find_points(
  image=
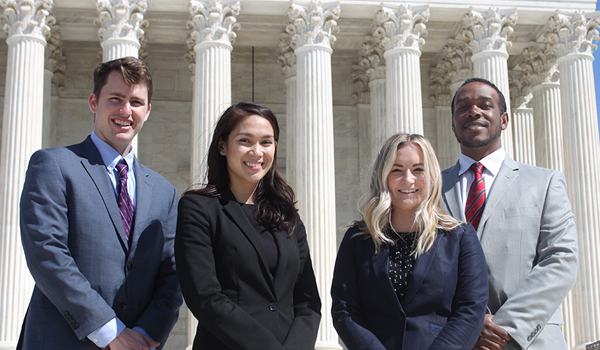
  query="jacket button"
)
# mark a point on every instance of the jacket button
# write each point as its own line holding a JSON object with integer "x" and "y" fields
{"x": 129, "y": 266}
{"x": 123, "y": 306}
{"x": 273, "y": 307}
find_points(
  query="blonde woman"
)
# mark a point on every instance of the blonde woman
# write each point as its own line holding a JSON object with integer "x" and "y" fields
{"x": 408, "y": 275}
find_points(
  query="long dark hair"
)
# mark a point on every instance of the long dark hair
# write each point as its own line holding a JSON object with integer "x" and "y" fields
{"x": 273, "y": 197}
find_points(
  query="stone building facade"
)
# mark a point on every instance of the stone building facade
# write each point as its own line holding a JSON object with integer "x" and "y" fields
{"x": 341, "y": 76}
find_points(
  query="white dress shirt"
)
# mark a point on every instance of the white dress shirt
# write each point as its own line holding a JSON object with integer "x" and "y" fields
{"x": 491, "y": 164}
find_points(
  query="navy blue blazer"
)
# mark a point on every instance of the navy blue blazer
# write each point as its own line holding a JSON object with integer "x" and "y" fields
{"x": 85, "y": 269}
{"x": 444, "y": 305}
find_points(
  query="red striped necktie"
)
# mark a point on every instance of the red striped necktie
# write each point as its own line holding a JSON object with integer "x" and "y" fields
{"x": 476, "y": 196}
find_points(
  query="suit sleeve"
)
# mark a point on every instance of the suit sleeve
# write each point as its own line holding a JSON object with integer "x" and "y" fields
{"x": 45, "y": 237}
{"x": 470, "y": 300}
{"x": 307, "y": 304}
{"x": 201, "y": 289}
{"x": 166, "y": 296}
{"x": 346, "y": 304}
{"x": 539, "y": 295}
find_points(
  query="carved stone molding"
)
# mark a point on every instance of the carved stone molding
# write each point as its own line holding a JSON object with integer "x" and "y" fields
{"x": 27, "y": 17}
{"x": 538, "y": 63}
{"x": 573, "y": 32}
{"x": 190, "y": 56}
{"x": 214, "y": 21}
{"x": 314, "y": 23}
{"x": 489, "y": 30}
{"x": 287, "y": 57}
{"x": 403, "y": 27}
{"x": 371, "y": 66}
{"x": 439, "y": 81}
{"x": 121, "y": 19}
{"x": 453, "y": 64}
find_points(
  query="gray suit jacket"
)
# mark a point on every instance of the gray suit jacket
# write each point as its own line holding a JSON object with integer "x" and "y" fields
{"x": 528, "y": 235}
{"x": 86, "y": 272}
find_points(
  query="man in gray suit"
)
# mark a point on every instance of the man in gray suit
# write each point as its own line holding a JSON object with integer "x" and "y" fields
{"x": 98, "y": 230}
{"x": 524, "y": 222}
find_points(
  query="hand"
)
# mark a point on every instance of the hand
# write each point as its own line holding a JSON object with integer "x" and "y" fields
{"x": 130, "y": 339}
{"x": 492, "y": 336}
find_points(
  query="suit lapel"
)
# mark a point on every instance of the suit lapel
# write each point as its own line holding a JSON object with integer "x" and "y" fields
{"x": 508, "y": 173}
{"x": 143, "y": 202}
{"x": 97, "y": 170}
{"x": 379, "y": 264}
{"x": 237, "y": 215}
{"x": 420, "y": 270}
{"x": 451, "y": 192}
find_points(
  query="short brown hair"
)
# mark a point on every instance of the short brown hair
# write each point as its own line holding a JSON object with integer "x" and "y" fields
{"x": 133, "y": 70}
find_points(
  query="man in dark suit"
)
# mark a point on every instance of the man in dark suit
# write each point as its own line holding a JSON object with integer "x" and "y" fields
{"x": 98, "y": 229}
{"x": 524, "y": 222}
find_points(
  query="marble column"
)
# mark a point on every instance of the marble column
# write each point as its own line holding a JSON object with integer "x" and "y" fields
{"x": 488, "y": 33}
{"x": 453, "y": 67}
{"x": 122, "y": 26}
{"x": 287, "y": 59}
{"x": 212, "y": 24}
{"x": 539, "y": 65}
{"x": 54, "y": 73}
{"x": 369, "y": 82}
{"x": 27, "y": 29}
{"x": 572, "y": 35}
{"x": 403, "y": 26}
{"x": 312, "y": 27}
{"x": 522, "y": 118}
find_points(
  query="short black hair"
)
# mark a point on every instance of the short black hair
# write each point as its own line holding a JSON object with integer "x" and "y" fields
{"x": 502, "y": 102}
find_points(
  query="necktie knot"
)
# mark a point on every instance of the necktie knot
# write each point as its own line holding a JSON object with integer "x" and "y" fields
{"x": 477, "y": 169}
{"x": 122, "y": 169}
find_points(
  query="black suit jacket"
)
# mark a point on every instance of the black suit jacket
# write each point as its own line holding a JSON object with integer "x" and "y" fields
{"x": 444, "y": 305}
{"x": 226, "y": 284}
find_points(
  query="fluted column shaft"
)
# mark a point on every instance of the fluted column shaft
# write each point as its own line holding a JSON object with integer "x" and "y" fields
{"x": 114, "y": 48}
{"x": 316, "y": 172}
{"x": 291, "y": 128}
{"x": 547, "y": 120}
{"x": 21, "y": 136}
{"x": 448, "y": 149}
{"x": 49, "y": 127}
{"x": 212, "y": 95}
{"x": 524, "y": 139}
{"x": 492, "y": 65}
{"x": 403, "y": 82}
{"x": 582, "y": 171}
{"x": 379, "y": 129}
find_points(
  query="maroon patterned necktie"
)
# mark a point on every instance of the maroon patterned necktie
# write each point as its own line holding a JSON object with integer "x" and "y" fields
{"x": 124, "y": 201}
{"x": 476, "y": 196}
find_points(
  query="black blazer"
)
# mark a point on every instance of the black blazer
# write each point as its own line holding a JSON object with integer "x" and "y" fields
{"x": 444, "y": 305}
{"x": 226, "y": 284}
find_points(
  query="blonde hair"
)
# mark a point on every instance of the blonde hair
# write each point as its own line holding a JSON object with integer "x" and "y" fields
{"x": 376, "y": 209}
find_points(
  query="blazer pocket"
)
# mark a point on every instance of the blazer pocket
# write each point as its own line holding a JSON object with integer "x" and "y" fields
{"x": 435, "y": 327}
{"x": 532, "y": 211}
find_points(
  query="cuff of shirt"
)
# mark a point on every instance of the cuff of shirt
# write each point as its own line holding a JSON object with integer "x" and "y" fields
{"x": 102, "y": 336}
{"x": 143, "y": 331}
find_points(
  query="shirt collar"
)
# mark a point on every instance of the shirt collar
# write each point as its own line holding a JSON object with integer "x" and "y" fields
{"x": 491, "y": 162}
{"x": 109, "y": 155}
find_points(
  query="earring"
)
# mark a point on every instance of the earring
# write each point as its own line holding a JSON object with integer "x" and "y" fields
{"x": 222, "y": 152}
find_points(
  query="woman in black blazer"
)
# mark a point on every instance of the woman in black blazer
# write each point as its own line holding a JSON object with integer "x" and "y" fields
{"x": 408, "y": 276}
{"x": 242, "y": 256}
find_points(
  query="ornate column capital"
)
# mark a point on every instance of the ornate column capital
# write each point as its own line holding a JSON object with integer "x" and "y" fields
{"x": 520, "y": 89}
{"x": 55, "y": 61}
{"x": 490, "y": 30}
{"x": 455, "y": 57}
{"x": 538, "y": 63}
{"x": 313, "y": 23}
{"x": 287, "y": 57}
{"x": 190, "y": 56}
{"x": 27, "y": 17}
{"x": 440, "y": 82}
{"x": 573, "y": 32}
{"x": 403, "y": 27}
{"x": 214, "y": 21}
{"x": 121, "y": 19}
